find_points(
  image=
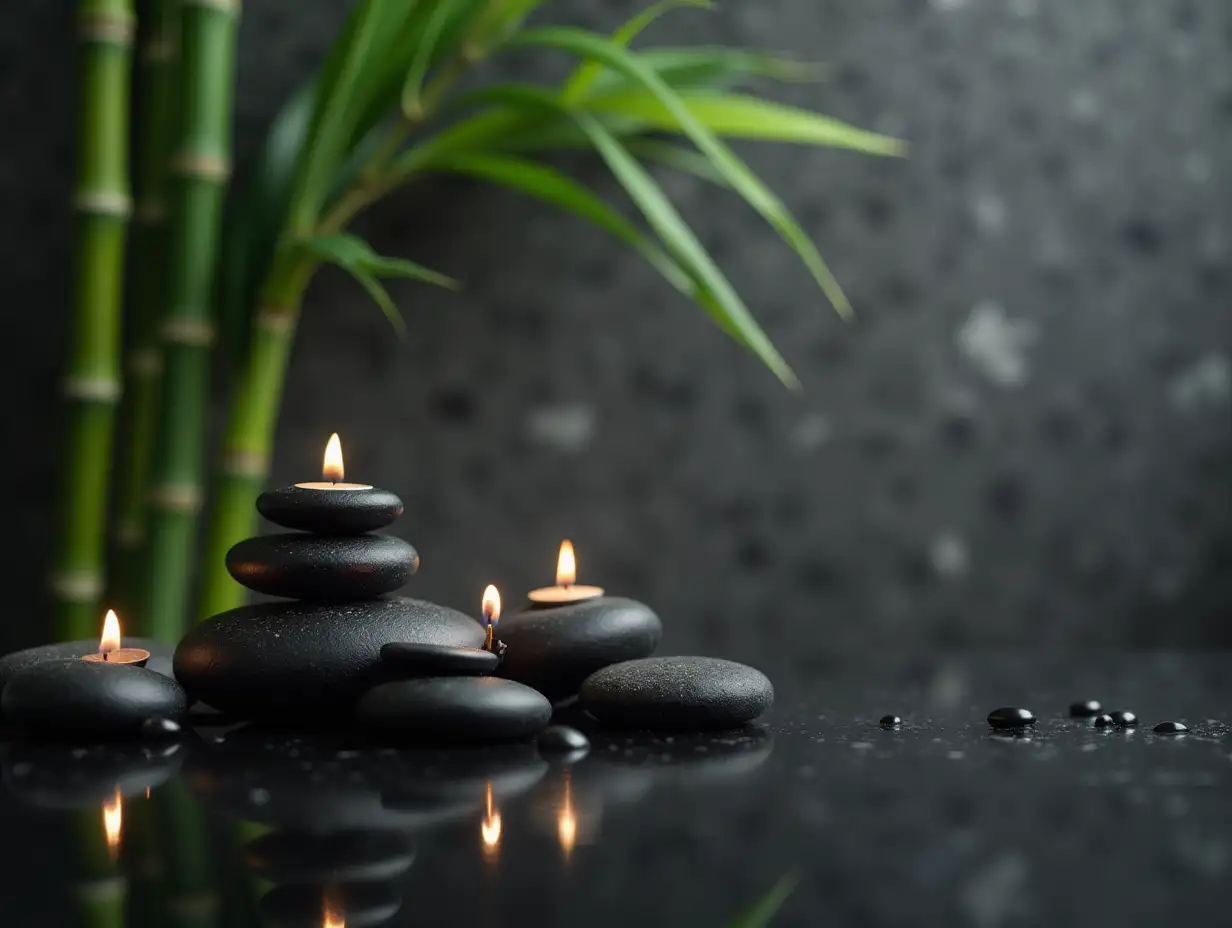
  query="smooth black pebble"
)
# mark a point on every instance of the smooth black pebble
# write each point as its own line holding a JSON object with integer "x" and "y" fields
{"x": 676, "y": 694}
{"x": 322, "y": 568}
{"x": 10, "y": 664}
{"x": 1123, "y": 718}
{"x": 1086, "y": 709}
{"x": 1171, "y": 728}
{"x": 1011, "y": 717}
{"x": 474, "y": 709}
{"x": 1104, "y": 721}
{"x": 298, "y": 662}
{"x": 330, "y": 512}
{"x": 555, "y": 649}
{"x": 562, "y": 738}
{"x": 303, "y": 857}
{"x": 159, "y": 729}
{"x": 890, "y": 721}
{"x": 83, "y": 699}
{"x": 407, "y": 659}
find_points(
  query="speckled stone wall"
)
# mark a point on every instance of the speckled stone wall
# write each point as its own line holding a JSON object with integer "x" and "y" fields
{"x": 1024, "y": 439}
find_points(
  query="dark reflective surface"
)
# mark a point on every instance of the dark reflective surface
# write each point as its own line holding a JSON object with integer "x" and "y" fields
{"x": 940, "y": 821}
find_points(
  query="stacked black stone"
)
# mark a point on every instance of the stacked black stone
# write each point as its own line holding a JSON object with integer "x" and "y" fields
{"x": 309, "y": 661}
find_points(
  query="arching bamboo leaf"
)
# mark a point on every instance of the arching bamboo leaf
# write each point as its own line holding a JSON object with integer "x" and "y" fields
{"x": 713, "y": 68}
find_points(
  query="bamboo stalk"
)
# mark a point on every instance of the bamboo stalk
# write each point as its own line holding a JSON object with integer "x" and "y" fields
{"x": 92, "y": 387}
{"x": 157, "y": 52}
{"x": 200, "y": 169}
{"x": 192, "y": 900}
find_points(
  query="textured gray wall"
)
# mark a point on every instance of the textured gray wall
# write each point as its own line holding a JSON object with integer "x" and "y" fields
{"x": 1025, "y": 439}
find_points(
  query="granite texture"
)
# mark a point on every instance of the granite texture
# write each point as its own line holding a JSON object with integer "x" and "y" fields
{"x": 1024, "y": 437}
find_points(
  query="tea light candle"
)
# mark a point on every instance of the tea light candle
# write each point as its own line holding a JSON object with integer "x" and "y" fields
{"x": 332, "y": 471}
{"x": 566, "y": 590}
{"x": 109, "y": 650}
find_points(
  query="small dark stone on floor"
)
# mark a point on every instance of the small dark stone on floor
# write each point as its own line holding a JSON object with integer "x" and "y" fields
{"x": 472, "y": 709}
{"x": 410, "y": 659}
{"x": 1085, "y": 709}
{"x": 890, "y": 721}
{"x": 157, "y": 728}
{"x": 1171, "y": 728}
{"x": 1011, "y": 717}
{"x": 1104, "y": 721}
{"x": 1123, "y": 718}
{"x": 562, "y": 738}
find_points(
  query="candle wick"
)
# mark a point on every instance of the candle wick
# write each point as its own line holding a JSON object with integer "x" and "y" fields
{"x": 106, "y": 656}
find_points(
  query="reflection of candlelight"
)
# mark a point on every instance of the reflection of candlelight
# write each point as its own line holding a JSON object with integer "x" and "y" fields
{"x": 333, "y": 915}
{"x": 113, "y": 822}
{"x": 490, "y": 829}
{"x": 566, "y": 820}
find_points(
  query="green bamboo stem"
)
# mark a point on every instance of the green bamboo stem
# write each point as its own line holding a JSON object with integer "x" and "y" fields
{"x": 157, "y": 53}
{"x": 100, "y": 890}
{"x": 192, "y": 899}
{"x": 200, "y": 168}
{"x": 92, "y": 387}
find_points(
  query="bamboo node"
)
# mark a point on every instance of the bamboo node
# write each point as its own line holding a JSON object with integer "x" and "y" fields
{"x": 195, "y": 904}
{"x": 201, "y": 166}
{"x": 77, "y": 586}
{"x": 111, "y": 28}
{"x": 188, "y": 332}
{"x": 245, "y": 464}
{"x": 93, "y": 389}
{"x": 103, "y": 203}
{"x": 176, "y": 497}
{"x": 145, "y": 362}
{"x": 101, "y": 890}
{"x": 274, "y": 319}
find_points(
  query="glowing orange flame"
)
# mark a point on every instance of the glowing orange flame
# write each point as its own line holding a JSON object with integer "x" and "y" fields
{"x": 566, "y": 565}
{"x": 566, "y": 820}
{"x": 113, "y": 822}
{"x": 332, "y": 470}
{"x": 490, "y": 828}
{"x": 491, "y": 603}
{"x": 111, "y": 633}
{"x": 333, "y": 917}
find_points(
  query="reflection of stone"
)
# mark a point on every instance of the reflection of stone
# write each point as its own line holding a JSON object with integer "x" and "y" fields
{"x": 60, "y": 777}
{"x": 303, "y": 904}
{"x": 455, "y": 709}
{"x": 350, "y": 856}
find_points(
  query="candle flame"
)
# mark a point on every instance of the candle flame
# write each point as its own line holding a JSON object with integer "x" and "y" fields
{"x": 113, "y": 822}
{"x": 490, "y": 828}
{"x": 491, "y": 603}
{"x": 566, "y": 820}
{"x": 566, "y": 565}
{"x": 332, "y": 470}
{"x": 111, "y": 633}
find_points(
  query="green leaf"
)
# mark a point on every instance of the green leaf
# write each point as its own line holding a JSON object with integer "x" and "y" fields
{"x": 762, "y": 912}
{"x": 442, "y": 13}
{"x": 381, "y": 297}
{"x": 585, "y": 74}
{"x": 714, "y": 68}
{"x": 676, "y": 156}
{"x": 747, "y": 117}
{"x": 743, "y": 181}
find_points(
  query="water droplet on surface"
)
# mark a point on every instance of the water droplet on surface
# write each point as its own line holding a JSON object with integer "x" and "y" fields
{"x": 1123, "y": 718}
{"x": 890, "y": 721}
{"x": 1011, "y": 717}
{"x": 1104, "y": 721}
{"x": 1085, "y": 709}
{"x": 1171, "y": 728}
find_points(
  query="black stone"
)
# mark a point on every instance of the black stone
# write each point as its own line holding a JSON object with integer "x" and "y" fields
{"x": 1011, "y": 717}
{"x": 74, "y": 698}
{"x": 890, "y": 721}
{"x": 555, "y": 649}
{"x": 1123, "y": 718}
{"x": 10, "y": 664}
{"x": 1104, "y": 721}
{"x": 321, "y": 568}
{"x": 1171, "y": 728}
{"x": 1085, "y": 709}
{"x": 407, "y": 659}
{"x": 562, "y": 738}
{"x": 676, "y": 694}
{"x": 347, "y": 856}
{"x": 303, "y": 663}
{"x": 476, "y": 709}
{"x": 330, "y": 512}
{"x": 70, "y": 776}
{"x": 303, "y": 904}
{"x": 159, "y": 728}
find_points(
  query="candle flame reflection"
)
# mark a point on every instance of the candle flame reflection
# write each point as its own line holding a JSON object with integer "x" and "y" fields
{"x": 113, "y": 823}
{"x": 490, "y": 828}
{"x": 332, "y": 470}
{"x": 566, "y": 820}
{"x": 333, "y": 916}
{"x": 491, "y": 603}
{"x": 111, "y": 633}
{"x": 566, "y": 565}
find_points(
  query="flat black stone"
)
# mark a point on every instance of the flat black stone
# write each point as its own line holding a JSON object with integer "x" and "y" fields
{"x": 1011, "y": 717}
{"x": 1085, "y": 709}
{"x": 321, "y": 568}
{"x": 562, "y": 738}
{"x": 676, "y": 694}
{"x": 306, "y": 857}
{"x": 1104, "y": 721}
{"x": 890, "y": 721}
{"x": 304, "y": 663}
{"x": 160, "y": 655}
{"x": 555, "y": 649}
{"x": 1123, "y": 718}
{"x": 408, "y": 659}
{"x": 303, "y": 904}
{"x": 330, "y": 512}
{"x": 475, "y": 709}
{"x": 72, "y": 698}
{"x": 1170, "y": 728}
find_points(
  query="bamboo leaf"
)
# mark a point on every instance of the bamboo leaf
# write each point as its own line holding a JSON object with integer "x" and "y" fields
{"x": 381, "y": 297}
{"x": 583, "y": 77}
{"x": 442, "y": 13}
{"x": 762, "y": 912}
{"x": 713, "y": 67}
{"x": 588, "y": 45}
{"x": 676, "y": 156}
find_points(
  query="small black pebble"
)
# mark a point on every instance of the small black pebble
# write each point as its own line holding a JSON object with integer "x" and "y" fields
{"x": 562, "y": 738}
{"x": 1086, "y": 709}
{"x": 1104, "y": 721}
{"x": 1124, "y": 718}
{"x": 159, "y": 727}
{"x": 890, "y": 721}
{"x": 1171, "y": 728}
{"x": 1010, "y": 717}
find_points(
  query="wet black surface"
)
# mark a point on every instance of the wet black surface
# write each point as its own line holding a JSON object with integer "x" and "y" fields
{"x": 1062, "y": 824}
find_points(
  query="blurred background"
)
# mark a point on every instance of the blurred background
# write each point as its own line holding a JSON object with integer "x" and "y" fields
{"x": 1024, "y": 439}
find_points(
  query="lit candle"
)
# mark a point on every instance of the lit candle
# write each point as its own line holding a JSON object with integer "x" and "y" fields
{"x": 109, "y": 650}
{"x": 332, "y": 470}
{"x": 491, "y": 615}
{"x": 566, "y": 591}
